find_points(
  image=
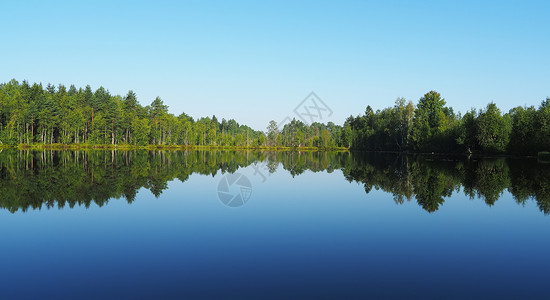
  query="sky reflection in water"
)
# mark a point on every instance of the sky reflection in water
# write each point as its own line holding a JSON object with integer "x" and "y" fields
{"x": 311, "y": 235}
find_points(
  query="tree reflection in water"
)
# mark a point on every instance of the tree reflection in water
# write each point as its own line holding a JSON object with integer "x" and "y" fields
{"x": 37, "y": 179}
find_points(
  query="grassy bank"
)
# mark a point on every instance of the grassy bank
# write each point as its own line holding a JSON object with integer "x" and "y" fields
{"x": 164, "y": 147}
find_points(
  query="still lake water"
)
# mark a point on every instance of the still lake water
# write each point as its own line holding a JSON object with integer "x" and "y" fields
{"x": 140, "y": 224}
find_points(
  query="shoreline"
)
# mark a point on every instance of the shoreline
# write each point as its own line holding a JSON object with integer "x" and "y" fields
{"x": 124, "y": 147}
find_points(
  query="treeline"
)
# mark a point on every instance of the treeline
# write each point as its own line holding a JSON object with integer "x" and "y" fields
{"x": 431, "y": 126}
{"x": 32, "y": 114}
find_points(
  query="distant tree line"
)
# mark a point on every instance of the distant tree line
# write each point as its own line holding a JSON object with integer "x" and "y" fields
{"x": 32, "y": 114}
{"x": 431, "y": 126}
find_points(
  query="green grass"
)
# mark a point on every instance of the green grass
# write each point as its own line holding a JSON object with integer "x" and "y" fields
{"x": 163, "y": 147}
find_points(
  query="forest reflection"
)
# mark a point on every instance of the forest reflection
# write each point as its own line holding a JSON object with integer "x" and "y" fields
{"x": 46, "y": 179}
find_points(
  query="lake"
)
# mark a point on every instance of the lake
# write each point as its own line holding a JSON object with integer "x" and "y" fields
{"x": 249, "y": 225}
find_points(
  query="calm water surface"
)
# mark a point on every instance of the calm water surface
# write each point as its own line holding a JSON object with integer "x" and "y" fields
{"x": 252, "y": 225}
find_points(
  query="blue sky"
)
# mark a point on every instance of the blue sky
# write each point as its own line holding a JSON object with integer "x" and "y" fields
{"x": 256, "y": 60}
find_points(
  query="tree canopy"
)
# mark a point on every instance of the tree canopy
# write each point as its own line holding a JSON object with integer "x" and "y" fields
{"x": 34, "y": 114}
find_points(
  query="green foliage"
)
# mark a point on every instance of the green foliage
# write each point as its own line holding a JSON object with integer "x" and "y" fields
{"x": 522, "y": 137}
{"x": 32, "y": 114}
{"x": 272, "y": 133}
{"x": 433, "y": 127}
{"x": 492, "y": 130}
{"x": 542, "y": 124}
{"x": 466, "y": 132}
{"x": 433, "y": 124}
{"x": 141, "y": 130}
{"x": 347, "y": 135}
{"x": 432, "y": 104}
{"x": 421, "y": 132}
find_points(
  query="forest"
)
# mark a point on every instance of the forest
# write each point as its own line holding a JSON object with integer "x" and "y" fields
{"x": 34, "y": 115}
{"x": 38, "y": 115}
{"x": 431, "y": 126}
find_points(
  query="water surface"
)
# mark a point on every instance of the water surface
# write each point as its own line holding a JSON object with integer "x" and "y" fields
{"x": 138, "y": 224}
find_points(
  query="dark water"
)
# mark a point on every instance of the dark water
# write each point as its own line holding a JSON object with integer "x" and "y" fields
{"x": 286, "y": 225}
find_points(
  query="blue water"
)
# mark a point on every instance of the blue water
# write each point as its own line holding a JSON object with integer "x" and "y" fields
{"x": 312, "y": 236}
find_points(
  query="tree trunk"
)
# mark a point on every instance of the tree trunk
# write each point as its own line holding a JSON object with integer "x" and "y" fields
{"x": 112, "y": 132}
{"x": 32, "y": 127}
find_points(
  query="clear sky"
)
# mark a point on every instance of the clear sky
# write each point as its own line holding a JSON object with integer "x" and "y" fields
{"x": 256, "y": 60}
